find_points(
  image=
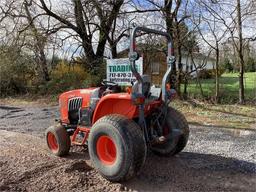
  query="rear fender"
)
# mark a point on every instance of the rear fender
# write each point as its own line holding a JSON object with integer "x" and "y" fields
{"x": 119, "y": 103}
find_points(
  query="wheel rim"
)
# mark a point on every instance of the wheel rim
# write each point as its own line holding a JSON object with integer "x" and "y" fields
{"x": 106, "y": 150}
{"x": 52, "y": 142}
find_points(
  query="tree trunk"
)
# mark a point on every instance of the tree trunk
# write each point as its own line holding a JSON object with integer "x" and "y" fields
{"x": 167, "y": 12}
{"x": 113, "y": 51}
{"x": 179, "y": 75}
{"x": 101, "y": 44}
{"x": 43, "y": 64}
{"x": 90, "y": 58}
{"x": 186, "y": 76}
{"x": 40, "y": 42}
{"x": 240, "y": 54}
{"x": 185, "y": 91}
{"x": 197, "y": 77}
{"x": 217, "y": 84}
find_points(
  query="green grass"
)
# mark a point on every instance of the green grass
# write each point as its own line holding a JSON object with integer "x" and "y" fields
{"x": 229, "y": 86}
{"x": 216, "y": 115}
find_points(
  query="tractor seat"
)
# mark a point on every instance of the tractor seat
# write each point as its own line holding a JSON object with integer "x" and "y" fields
{"x": 145, "y": 86}
{"x": 100, "y": 92}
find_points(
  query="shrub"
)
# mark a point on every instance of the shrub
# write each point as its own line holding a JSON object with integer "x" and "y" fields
{"x": 63, "y": 77}
{"x": 66, "y": 77}
{"x": 17, "y": 71}
{"x": 227, "y": 65}
{"x": 209, "y": 73}
{"x": 205, "y": 74}
{"x": 250, "y": 65}
{"x": 18, "y": 75}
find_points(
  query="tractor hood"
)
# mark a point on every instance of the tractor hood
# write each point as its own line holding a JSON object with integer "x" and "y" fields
{"x": 73, "y": 100}
{"x": 84, "y": 94}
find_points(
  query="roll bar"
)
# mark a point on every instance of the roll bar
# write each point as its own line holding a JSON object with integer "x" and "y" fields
{"x": 133, "y": 56}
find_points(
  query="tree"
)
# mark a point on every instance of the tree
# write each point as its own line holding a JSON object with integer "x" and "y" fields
{"x": 118, "y": 31}
{"x": 208, "y": 24}
{"x": 234, "y": 17}
{"x": 27, "y": 32}
{"x": 87, "y": 19}
{"x": 240, "y": 53}
{"x": 190, "y": 46}
{"x": 16, "y": 70}
{"x": 40, "y": 40}
{"x": 174, "y": 14}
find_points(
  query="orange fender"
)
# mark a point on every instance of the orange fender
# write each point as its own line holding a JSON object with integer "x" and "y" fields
{"x": 119, "y": 103}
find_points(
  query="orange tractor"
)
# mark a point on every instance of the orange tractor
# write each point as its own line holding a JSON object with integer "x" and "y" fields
{"x": 119, "y": 127}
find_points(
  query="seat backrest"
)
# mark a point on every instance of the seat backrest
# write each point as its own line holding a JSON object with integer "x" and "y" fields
{"x": 145, "y": 86}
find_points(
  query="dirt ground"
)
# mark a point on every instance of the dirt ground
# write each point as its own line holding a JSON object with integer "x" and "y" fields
{"x": 215, "y": 159}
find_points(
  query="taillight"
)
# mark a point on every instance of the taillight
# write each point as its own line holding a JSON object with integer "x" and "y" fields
{"x": 138, "y": 99}
{"x": 168, "y": 86}
{"x": 128, "y": 90}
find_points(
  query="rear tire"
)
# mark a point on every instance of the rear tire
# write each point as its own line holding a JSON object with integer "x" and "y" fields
{"x": 174, "y": 144}
{"x": 117, "y": 147}
{"x": 58, "y": 140}
{"x": 183, "y": 126}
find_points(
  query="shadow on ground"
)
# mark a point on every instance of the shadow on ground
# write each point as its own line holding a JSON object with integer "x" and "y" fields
{"x": 194, "y": 172}
{"x": 187, "y": 171}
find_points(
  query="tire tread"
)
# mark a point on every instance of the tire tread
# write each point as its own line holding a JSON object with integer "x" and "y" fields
{"x": 136, "y": 139}
{"x": 62, "y": 138}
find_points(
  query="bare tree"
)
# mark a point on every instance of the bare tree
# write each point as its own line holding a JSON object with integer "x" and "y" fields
{"x": 208, "y": 24}
{"x": 232, "y": 16}
{"x": 118, "y": 31}
{"x": 40, "y": 40}
{"x": 240, "y": 53}
{"x": 191, "y": 46}
{"x": 86, "y": 19}
{"x": 26, "y": 32}
{"x": 174, "y": 13}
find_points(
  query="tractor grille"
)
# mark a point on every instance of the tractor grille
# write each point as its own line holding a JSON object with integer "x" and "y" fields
{"x": 74, "y": 103}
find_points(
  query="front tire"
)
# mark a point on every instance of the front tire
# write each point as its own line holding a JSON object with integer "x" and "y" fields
{"x": 58, "y": 140}
{"x": 117, "y": 147}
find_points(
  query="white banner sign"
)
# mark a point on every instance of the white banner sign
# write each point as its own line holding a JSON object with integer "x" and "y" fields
{"x": 119, "y": 71}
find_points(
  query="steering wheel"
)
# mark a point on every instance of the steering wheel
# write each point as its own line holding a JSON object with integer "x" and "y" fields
{"x": 108, "y": 86}
{"x": 108, "y": 83}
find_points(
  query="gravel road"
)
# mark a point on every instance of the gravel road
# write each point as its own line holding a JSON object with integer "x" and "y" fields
{"x": 215, "y": 159}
